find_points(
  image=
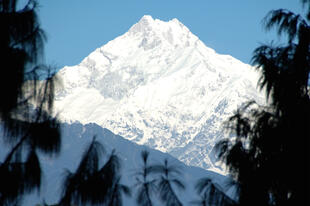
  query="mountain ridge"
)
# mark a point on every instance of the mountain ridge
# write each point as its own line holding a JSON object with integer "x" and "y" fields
{"x": 158, "y": 85}
{"x": 75, "y": 139}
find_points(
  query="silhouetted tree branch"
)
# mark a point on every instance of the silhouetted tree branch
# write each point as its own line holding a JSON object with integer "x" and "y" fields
{"x": 27, "y": 103}
{"x": 269, "y": 158}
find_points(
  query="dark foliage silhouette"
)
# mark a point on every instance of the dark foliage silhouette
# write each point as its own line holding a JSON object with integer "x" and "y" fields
{"x": 27, "y": 102}
{"x": 203, "y": 200}
{"x": 270, "y": 156}
{"x": 145, "y": 184}
{"x": 210, "y": 194}
{"x": 91, "y": 184}
{"x": 169, "y": 177}
{"x": 116, "y": 194}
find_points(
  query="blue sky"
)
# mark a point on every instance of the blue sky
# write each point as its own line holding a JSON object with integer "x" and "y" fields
{"x": 76, "y": 27}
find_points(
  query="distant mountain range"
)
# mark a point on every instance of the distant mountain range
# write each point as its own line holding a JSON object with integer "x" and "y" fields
{"x": 158, "y": 85}
{"x": 75, "y": 139}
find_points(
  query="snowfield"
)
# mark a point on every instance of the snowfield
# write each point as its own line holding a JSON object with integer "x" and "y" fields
{"x": 159, "y": 85}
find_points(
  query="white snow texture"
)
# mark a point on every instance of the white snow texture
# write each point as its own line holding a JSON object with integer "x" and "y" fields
{"x": 160, "y": 86}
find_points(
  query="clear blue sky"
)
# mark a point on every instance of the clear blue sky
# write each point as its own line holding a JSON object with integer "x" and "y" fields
{"x": 77, "y": 27}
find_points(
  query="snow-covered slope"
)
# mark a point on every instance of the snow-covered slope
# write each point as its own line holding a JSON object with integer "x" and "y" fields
{"x": 160, "y": 86}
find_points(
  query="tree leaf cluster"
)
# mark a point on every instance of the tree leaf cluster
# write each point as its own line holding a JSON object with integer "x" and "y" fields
{"x": 27, "y": 102}
{"x": 269, "y": 157}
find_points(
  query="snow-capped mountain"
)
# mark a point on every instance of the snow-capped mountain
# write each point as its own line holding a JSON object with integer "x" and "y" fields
{"x": 160, "y": 86}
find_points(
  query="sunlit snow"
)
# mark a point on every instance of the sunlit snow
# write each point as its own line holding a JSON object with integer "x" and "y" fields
{"x": 158, "y": 85}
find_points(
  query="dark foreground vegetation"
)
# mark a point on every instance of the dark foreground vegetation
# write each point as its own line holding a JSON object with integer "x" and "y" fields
{"x": 269, "y": 159}
{"x": 270, "y": 156}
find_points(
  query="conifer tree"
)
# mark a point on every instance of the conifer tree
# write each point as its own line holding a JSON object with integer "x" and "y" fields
{"x": 145, "y": 184}
{"x": 27, "y": 127}
{"x": 116, "y": 193}
{"x": 92, "y": 184}
{"x": 270, "y": 156}
{"x": 210, "y": 194}
{"x": 168, "y": 179}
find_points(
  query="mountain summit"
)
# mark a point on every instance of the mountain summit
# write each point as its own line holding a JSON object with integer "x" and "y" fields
{"x": 158, "y": 85}
{"x": 156, "y": 32}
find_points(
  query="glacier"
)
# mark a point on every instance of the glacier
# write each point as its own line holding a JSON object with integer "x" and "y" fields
{"x": 159, "y": 85}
